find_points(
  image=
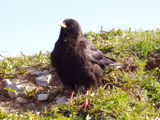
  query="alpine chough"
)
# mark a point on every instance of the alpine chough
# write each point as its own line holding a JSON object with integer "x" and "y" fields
{"x": 76, "y": 60}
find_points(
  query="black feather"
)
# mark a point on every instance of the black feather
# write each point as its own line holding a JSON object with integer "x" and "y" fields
{"x": 76, "y": 59}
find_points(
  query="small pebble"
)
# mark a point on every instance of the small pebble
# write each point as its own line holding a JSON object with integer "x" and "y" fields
{"x": 43, "y": 79}
{"x": 17, "y": 105}
{"x": 61, "y": 100}
{"x": 21, "y": 100}
{"x": 42, "y": 97}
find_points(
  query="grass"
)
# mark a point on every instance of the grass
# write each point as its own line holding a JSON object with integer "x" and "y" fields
{"x": 126, "y": 95}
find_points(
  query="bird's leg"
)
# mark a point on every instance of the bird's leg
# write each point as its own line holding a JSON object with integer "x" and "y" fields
{"x": 85, "y": 104}
{"x": 71, "y": 96}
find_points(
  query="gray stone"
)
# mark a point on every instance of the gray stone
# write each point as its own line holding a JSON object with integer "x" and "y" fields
{"x": 45, "y": 71}
{"x": 13, "y": 94}
{"x": 8, "y": 82}
{"x": 37, "y": 72}
{"x": 34, "y": 72}
{"x": 17, "y": 87}
{"x": 7, "y": 54}
{"x": 21, "y": 100}
{"x": 30, "y": 71}
{"x": 29, "y": 88}
{"x": 43, "y": 79}
{"x": 36, "y": 101}
{"x": 17, "y": 105}
{"x": 42, "y": 97}
{"x": 61, "y": 100}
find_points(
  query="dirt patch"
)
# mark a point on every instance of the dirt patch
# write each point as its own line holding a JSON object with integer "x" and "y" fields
{"x": 153, "y": 62}
{"x": 8, "y": 104}
{"x": 129, "y": 66}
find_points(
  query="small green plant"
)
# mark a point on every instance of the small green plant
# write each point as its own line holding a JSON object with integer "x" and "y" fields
{"x": 10, "y": 89}
{"x": 29, "y": 93}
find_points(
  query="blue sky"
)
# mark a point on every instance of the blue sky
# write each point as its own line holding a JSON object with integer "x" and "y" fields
{"x": 31, "y": 25}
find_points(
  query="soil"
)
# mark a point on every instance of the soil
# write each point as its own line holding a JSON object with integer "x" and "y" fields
{"x": 8, "y": 104}
{"x": 153, "y": 62}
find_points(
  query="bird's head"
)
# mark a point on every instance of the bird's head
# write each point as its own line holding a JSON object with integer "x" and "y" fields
{"x": 71, "y": 28}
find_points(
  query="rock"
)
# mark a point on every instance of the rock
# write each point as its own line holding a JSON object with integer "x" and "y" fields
{"x": 38, "y": 113}
{"x": 13, "y": 94}
{"x": 18, "y": 87}
{"x": 37, "y": 72}
{"x": 29, "y": 88}
{"x": 7, "y": 54}
{"x": 61, "y": 100}
{"x": 36, "y": 101}
{"x": 42, "y": 97}
{"x": 17, "y": 105}
{"x": 43, "y": 79}
{"x": 34, "y": 72}
{"x": 30, "y": 71}
{"x": 3, "y": 109}
{"x": 45, "y": 71}
{"x": 8, "y": 82}
{"x": 21, "y": 100}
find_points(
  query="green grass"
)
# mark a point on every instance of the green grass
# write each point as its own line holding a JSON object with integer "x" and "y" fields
{"x": 11, "y": 66}
{"x": 127, "y": 95}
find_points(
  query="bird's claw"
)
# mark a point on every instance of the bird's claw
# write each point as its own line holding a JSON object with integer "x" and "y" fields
{"x": 85, "y": 105}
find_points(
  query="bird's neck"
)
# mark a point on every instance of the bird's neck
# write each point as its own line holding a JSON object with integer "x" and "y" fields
{"x": 70, "y": 38}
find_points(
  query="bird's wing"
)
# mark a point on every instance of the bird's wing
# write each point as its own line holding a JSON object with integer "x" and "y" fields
{"x": 95, "y": 55}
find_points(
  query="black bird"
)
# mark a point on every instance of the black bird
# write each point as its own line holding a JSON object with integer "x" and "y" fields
{"x": 76, "y": 60}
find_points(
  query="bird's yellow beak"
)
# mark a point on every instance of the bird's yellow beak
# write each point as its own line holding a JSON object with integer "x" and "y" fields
{"x": 62, "y": 25}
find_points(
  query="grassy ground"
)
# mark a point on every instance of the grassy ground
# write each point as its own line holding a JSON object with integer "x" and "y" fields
{"x": 131, "y": 92}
